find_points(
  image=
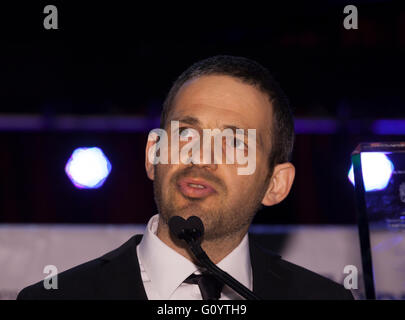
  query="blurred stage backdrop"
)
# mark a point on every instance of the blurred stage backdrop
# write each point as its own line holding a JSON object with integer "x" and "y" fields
{"x": 100, "y": 80}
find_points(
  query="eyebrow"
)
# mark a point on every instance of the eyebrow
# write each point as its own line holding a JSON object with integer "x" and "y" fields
{"x": 189, "y": 120}
{"x": 195, "y": 122}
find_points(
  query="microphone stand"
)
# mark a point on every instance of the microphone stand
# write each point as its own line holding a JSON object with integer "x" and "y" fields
{"x": 223, "y": 276}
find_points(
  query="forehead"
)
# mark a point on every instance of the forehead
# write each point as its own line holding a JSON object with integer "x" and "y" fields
{"x": 218, "y": 99}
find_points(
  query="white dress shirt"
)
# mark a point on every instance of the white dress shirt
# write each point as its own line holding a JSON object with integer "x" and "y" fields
{"x": 163, "y": 270}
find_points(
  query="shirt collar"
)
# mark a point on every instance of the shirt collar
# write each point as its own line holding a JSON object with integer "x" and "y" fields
{"x": 237, "y": 263}
{"x": 167, "y": 269}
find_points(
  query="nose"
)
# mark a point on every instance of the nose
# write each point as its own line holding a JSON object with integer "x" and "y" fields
{"x": 201, "y": 154}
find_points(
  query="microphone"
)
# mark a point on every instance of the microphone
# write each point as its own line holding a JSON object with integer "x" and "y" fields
{"x": 191, "y": 231}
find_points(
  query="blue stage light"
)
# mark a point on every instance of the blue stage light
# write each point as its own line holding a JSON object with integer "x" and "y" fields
{"x": 377, "y": 170}
{"x": 88, "y": 168}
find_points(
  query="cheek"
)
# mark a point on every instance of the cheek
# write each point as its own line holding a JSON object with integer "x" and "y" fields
{"x": 240, "y": 186}
{"x": 161, "y": 174}
{"x": 262, "y": 166}
{"x": 251, "y": 186}
{"x": 164, "y": 173}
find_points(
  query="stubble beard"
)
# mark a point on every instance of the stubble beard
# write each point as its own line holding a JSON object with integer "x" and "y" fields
{"x": 220, "y": 222}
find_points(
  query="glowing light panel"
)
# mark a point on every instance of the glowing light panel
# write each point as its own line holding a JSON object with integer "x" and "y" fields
{"x": 377, "y": 170}
{"x": 88, "y": 168}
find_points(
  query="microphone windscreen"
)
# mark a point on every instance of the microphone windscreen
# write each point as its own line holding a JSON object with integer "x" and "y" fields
{"x": 177, "y": 225}
{"x": 196, "y": 223}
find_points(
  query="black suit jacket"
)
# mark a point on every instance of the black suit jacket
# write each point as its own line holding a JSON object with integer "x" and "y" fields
{"x": 116, "y": 275}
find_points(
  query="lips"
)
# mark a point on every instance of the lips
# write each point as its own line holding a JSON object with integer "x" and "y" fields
{"x": 195, "y": 188}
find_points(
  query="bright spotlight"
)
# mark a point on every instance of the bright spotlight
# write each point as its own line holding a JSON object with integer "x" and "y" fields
{"x": 88, "y": 168}
{"x": 377, "y": 170}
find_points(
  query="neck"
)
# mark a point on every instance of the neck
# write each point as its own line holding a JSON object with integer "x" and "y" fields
{"x": 215, "y": 249}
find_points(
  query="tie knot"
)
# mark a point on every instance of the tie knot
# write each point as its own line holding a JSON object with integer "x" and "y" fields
{"x": 210, "y": 286}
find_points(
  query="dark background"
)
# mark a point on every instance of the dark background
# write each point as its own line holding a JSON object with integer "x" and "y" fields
{"x": 113, "y": 59}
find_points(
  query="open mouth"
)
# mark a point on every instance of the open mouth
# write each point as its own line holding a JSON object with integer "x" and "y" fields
{"x": 195, "y": 188}
{"x": 196, "y": 185}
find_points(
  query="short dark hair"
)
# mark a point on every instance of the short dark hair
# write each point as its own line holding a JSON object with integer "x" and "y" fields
{"x": 253, "y": 73}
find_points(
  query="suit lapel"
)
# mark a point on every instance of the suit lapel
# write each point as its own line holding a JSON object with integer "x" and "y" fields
{"x": 121, "y": 275}
{"x": 267, "y": 283}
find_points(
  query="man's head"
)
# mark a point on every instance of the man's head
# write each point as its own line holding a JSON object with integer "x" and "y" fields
{"x": 220, "y": 92}
{"x": 281, "y": 123}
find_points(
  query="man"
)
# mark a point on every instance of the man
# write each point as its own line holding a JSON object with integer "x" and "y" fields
{"x": 221, "y": 92}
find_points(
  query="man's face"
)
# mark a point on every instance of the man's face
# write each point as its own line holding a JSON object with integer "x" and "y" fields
{"x": 229, "y": 205}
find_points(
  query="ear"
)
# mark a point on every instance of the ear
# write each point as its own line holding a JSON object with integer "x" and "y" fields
{"x": 279, "y": 184}
{"x": 149, "y": 166}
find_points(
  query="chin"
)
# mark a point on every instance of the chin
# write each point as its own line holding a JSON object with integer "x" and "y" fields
{"x": 189, "y": 211}
{"x": 192, "y": 210}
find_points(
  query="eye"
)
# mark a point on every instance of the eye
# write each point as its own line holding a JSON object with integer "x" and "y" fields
{"x": 237, "y": 144}
{"x": 186, "y": 132}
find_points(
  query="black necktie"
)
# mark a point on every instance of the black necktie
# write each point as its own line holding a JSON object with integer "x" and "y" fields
{"x": 209, "y": 286}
